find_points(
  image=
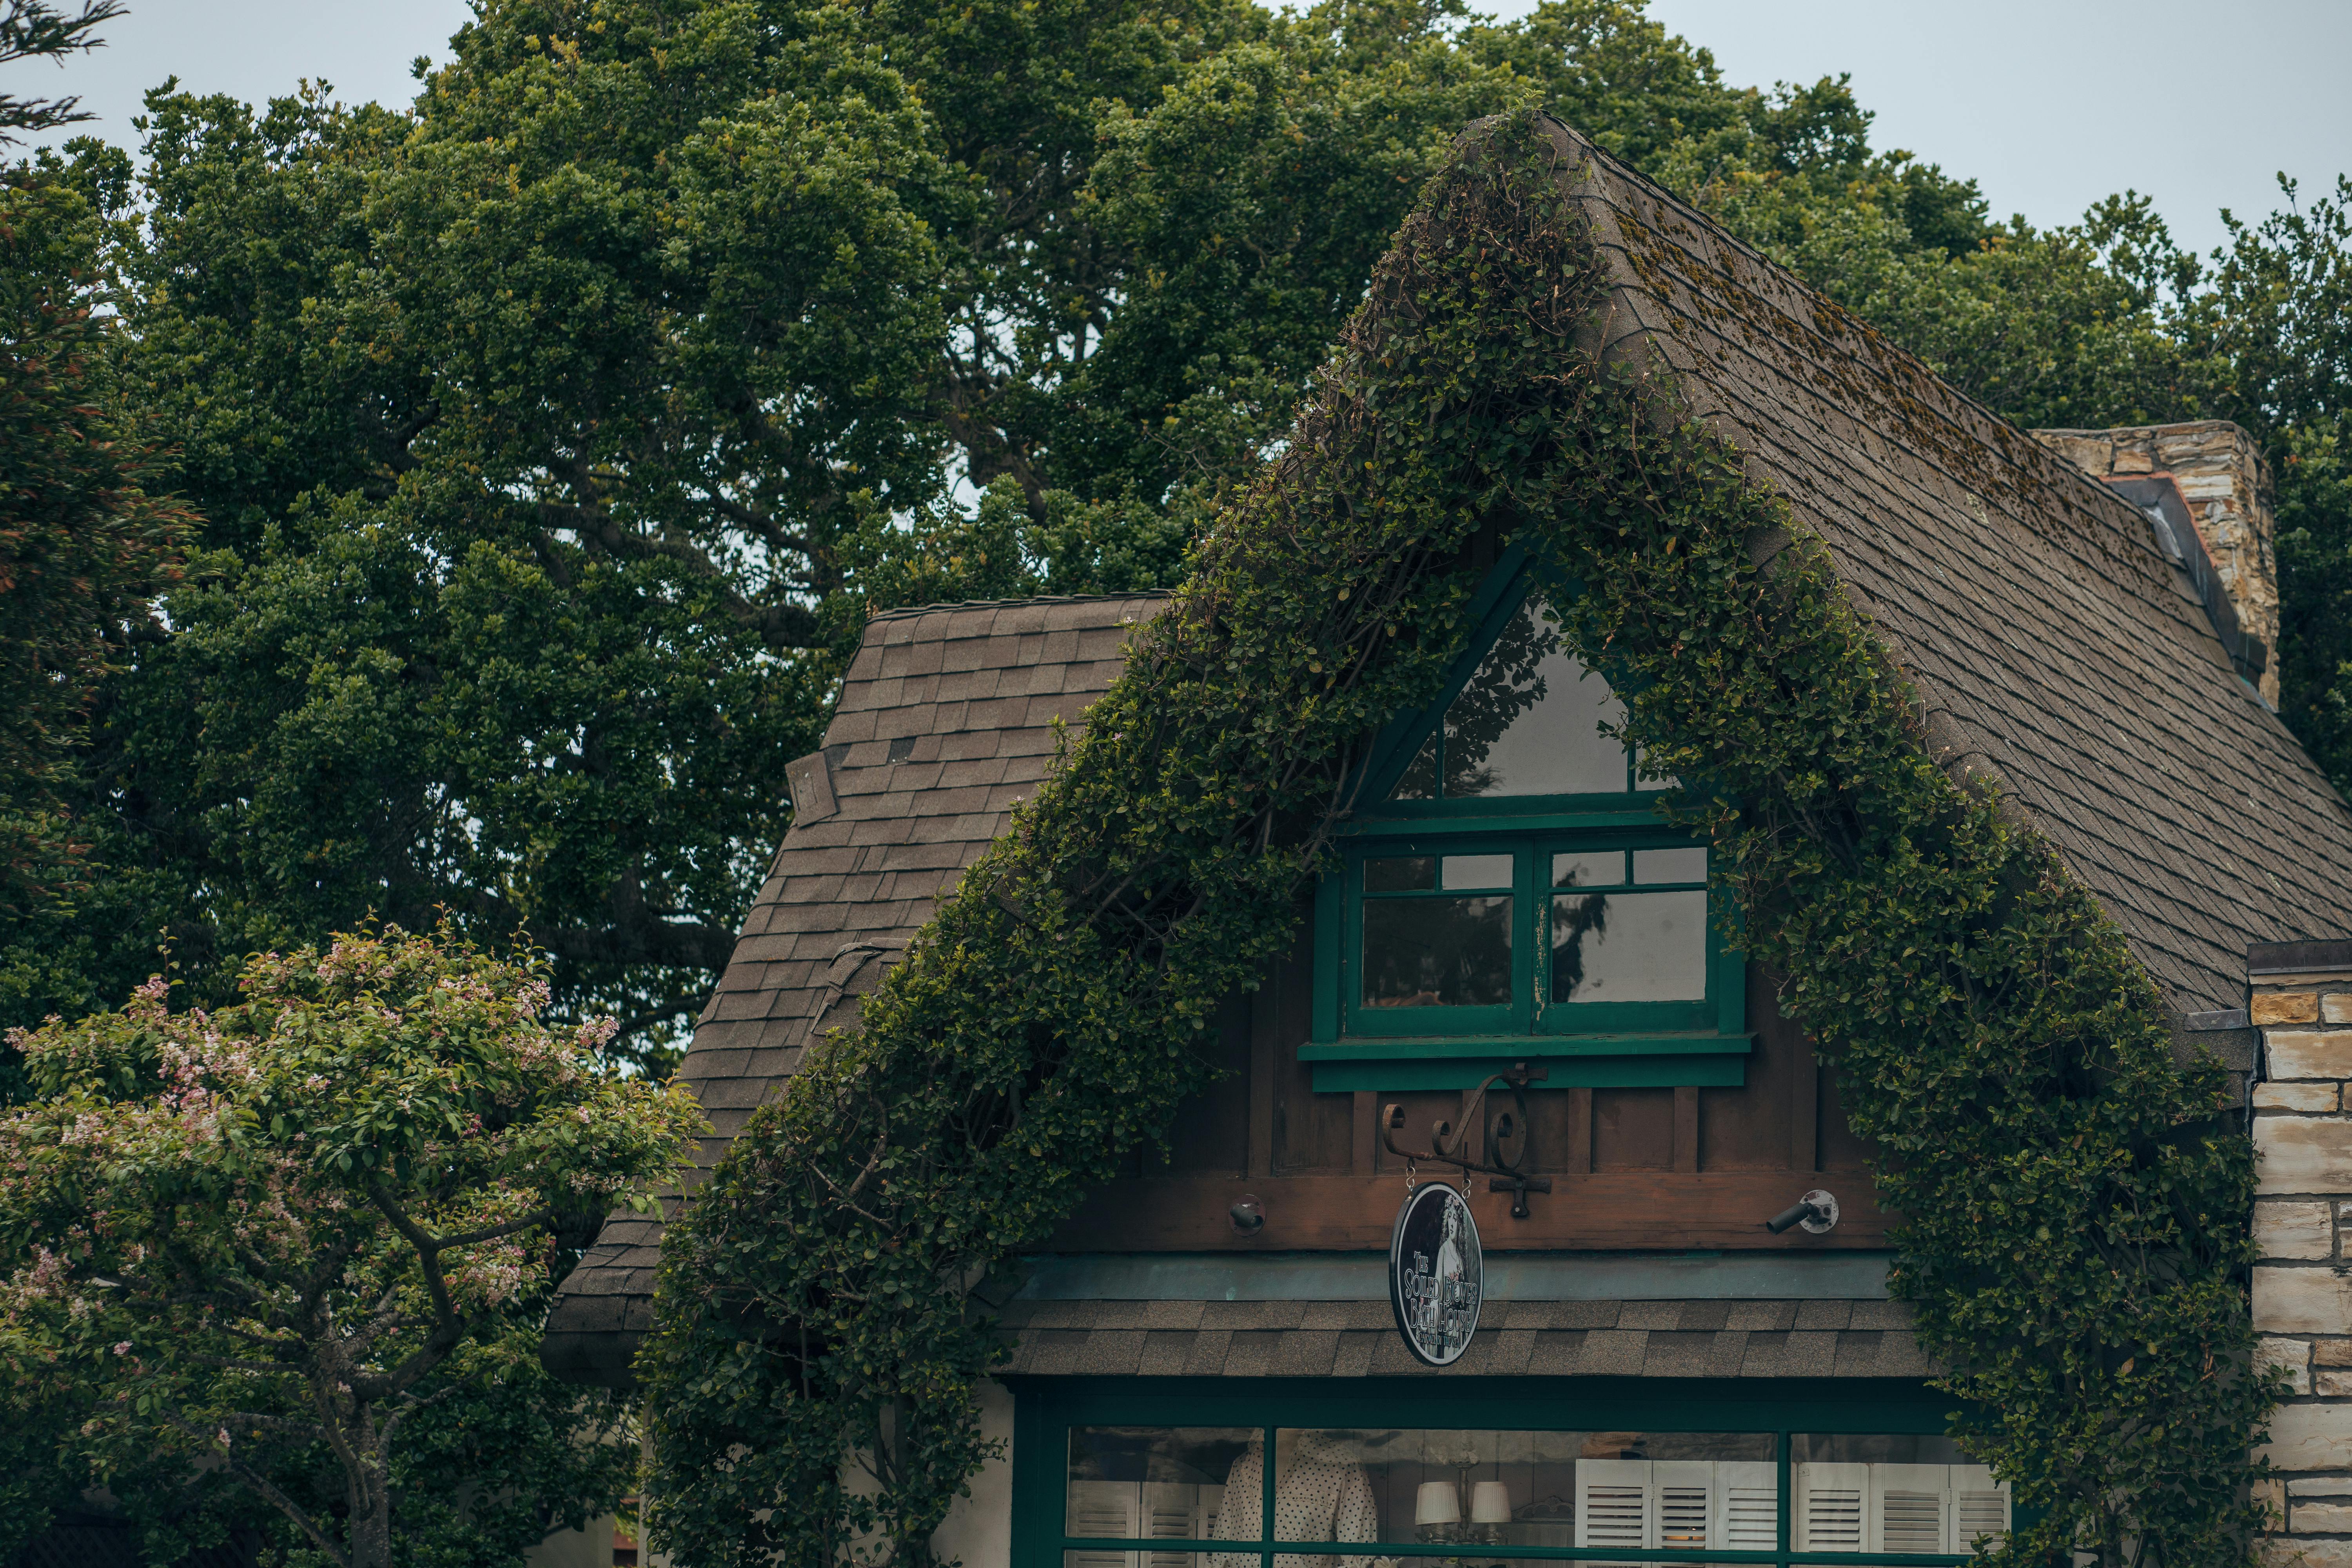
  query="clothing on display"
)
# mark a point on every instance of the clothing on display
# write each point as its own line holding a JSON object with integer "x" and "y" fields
{"x": 1320, "y": 1494}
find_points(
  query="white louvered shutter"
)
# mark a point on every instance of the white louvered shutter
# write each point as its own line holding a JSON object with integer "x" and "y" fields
{"x": 1979, "y": 1507}
{"x": 1747, "y": 1505}
{"x": 1909, "y": 1506}
{"x": 1211, "y": 1501}
{"x": 1829, "y": 1502}
{"x": 1103, "y": 1509}
{"x": 1683, "y": 1503}
{"x": 1172, "y": 1513}
{"x": 1613, "y": 1505}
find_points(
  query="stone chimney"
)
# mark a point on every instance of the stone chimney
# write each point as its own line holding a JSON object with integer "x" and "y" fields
{"x": 2212, "y": 470}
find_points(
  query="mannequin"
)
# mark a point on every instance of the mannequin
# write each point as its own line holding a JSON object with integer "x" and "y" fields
{"x": 1320, "y": 1494}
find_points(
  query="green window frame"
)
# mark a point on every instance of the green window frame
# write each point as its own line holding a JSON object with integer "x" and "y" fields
{"x": 1352, "y": 1045}
{"x": 1531, "y": 1010}
{"x": 1046, "y": 1410}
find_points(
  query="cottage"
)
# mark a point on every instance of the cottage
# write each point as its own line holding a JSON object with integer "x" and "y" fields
{"x": 1683, "y": 1339}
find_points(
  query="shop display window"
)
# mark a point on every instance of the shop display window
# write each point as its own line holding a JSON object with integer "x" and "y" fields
{"x": 1624, "y": 1495}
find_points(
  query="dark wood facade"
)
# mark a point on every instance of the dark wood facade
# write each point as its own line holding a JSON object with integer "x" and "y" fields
{"x": 1632, "y": 1169}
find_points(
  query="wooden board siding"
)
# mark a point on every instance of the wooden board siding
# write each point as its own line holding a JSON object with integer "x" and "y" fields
{"x": 1662, "y": 1169}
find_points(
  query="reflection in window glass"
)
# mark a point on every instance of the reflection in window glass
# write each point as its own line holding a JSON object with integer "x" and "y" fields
{"x": 1151, "y": 1483}
{"x": 1896, "y": 1494}
{"x": 1437, "y": 953}
{"x": 1479, "y": 870}
{"x": 1529, "y": 723}
{"x": 1420, "y": 780}
{"x": 1596, "y": 868}
{"x": 1629, "y": 947}
{"x": 1400, "y": 874}
{"x": 1688, "y": 1490}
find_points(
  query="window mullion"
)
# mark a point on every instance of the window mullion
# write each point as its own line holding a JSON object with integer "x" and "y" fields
{"x": 1534, "y": 923}
{"x": 1266, "y": 1501}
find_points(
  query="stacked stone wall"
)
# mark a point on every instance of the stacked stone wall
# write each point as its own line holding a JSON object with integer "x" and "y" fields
{"x": 2303, "y": 1233}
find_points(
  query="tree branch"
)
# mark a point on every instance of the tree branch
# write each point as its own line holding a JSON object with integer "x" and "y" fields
{"x": 448, "y": 1329}
{"x": 642, "y": 941}
{"x": 268, "y": 1493}
{"x": 779, "y": 625}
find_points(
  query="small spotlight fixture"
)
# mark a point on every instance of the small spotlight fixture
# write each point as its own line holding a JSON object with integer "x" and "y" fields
{"x": 1248, "y": 1214}
{"x": 1817, "y": 1211}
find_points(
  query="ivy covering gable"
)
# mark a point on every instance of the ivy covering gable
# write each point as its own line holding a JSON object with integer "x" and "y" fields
{"x": 2075, "y": 1213}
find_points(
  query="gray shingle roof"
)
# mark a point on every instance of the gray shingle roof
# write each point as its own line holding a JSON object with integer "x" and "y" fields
{"x": 1514, "y": 1338}
{"x": 2052, "y": 642}
{"x": 2031, "y": 604}
{"x": 946, "y": 718}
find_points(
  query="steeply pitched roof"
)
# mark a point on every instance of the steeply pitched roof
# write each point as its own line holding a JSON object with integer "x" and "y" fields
{"x": 2054, "y": 644}
{"x": 2063, "y": 650}
{"x": 945, "y": 719}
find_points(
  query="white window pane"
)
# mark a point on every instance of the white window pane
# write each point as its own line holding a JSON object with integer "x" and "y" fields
{"x": 1588, "y": 868}
{"x": 1629, "y": 947}
{"x": 1670, "y": 865}
{"x": 1477, "y": 871}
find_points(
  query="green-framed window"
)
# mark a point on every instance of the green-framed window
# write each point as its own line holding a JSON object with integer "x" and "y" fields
{"x": 1502, "y": 933}
{"x": 1387, "y": 1473}
{"x": 1512, "y": 893}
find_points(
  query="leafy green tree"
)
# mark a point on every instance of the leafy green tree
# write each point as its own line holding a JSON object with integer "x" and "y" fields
{"x": 88, "y": 534}
{"x": 280, "y": 1237}
{"x": 2273, "y": 328}
{"x": 559, "y": 414}
{"x": 553, "y": 438}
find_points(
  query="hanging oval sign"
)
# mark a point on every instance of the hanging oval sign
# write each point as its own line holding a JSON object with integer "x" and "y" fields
{"x": 1436, "y": 1275}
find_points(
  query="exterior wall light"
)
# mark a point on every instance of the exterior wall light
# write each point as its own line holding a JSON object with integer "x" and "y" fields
{"x": 1817, "y": 1211}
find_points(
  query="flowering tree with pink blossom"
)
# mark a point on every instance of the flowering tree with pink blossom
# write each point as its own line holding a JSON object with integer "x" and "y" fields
{"x": 259, "y": 1232}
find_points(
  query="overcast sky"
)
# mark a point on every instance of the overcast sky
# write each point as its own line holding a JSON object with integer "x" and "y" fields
{"x": 2048, "y": 104}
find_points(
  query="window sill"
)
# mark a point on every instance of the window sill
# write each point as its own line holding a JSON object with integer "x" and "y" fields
{"x": 1628, "y": 1043}
{"x": 1702, "y": 1060}
{"x": 1392, "y": 818}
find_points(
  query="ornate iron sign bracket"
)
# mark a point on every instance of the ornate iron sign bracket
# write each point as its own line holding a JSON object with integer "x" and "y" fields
{"x": 1509, "y": 1138}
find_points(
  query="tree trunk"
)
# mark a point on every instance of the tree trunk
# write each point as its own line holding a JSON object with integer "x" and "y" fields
{"x": 370, "y": 1489}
